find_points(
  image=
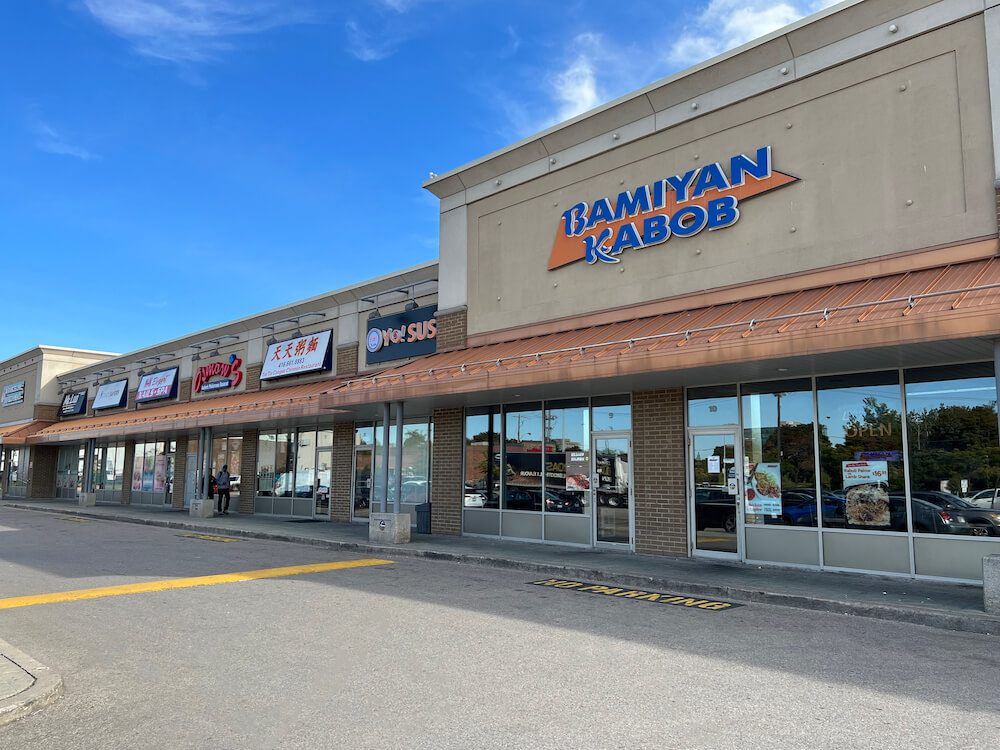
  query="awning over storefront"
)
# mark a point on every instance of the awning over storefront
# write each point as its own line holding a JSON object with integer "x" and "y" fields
{"x": 18, "y": 434}
{"x": 941, "y": 303}
{"x": 238, "y": 408}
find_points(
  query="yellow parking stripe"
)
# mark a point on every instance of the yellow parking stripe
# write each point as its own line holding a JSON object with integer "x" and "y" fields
{"x": 183, "y": 583}
{"x": 208, "y": 538}
{"x": 78, "y": 520}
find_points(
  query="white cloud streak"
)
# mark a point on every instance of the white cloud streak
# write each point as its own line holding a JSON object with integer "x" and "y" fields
{"x": 191, "y": 30}
{"x": 51, "y": 141}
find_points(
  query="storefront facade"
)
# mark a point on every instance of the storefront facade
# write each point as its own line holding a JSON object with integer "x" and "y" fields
{"x": 749, "y": 312}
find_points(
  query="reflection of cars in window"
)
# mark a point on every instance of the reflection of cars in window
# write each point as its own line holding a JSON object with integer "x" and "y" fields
{"x": 988, "y": 499}
{"x": 714, "y": 508}
{"x": 979, "y": 521}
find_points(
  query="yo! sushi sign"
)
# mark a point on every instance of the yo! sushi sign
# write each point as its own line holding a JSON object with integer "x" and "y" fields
{"x": 705, "y": 197}
{"x": 406, "y": 334}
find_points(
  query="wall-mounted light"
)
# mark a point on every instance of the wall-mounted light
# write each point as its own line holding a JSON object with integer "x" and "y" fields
{"x": 411, "y": 305}
{"x": 272, "y": 341}
{"x": 141, "y": 372}
{"x": 373, "y": 314}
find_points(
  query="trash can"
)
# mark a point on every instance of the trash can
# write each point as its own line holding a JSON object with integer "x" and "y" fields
{"x": 424, "y": 518}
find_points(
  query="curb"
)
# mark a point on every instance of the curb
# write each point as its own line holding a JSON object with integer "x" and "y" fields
{"x": 943, "y": 619}
{"x": 44, "y": 690}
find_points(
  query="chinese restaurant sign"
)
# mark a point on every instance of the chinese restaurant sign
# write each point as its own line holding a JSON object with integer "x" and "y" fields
{"x": 74, "y": 403}
{"x": 111, "y": 395}
{"x": 157, "y": 385}
{"x": 679, "y": 206}
{"x": 13, "y": 394}
{"x": 229, "y": 370}
{"x": 304, "y": 354}
{"x": 405, "y": 334}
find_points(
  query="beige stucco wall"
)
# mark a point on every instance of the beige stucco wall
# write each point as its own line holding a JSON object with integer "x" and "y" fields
{"x": 893, "y": 151}
{"x": 23, "y": 411}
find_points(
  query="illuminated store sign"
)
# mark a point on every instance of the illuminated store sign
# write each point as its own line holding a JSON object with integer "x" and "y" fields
{"x": 229, "y": 370}
{"x": 304, "y": 354}
{"x": 157, "y": 385}
{"x": 13, "y": 394}
{"x": 405, "y": 334}
{"x": 679, "y": 206}
{"x": 111, "y": 395}
{"x": 74, "y": 403}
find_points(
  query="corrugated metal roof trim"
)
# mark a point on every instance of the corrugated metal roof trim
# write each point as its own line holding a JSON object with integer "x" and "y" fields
{"x": 936, "y": 289}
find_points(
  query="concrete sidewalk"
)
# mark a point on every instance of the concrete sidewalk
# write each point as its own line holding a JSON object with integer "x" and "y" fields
{"x": 938, "y": 604}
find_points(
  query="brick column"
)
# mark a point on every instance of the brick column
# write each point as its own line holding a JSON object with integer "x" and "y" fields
{"x": 446, "y": 472}
{"x": 42, "y": 474}
{"x": 253, "y": 379}
{"x": 180, "y": 472}
{"x": 127, "y": 472}
{"x": 248, "y": 469}
{"x": 184, "y": 390}
{"x": 343, "y": 471}
{"x": 347, "y": 359}
{"x": 452, "y": 328}
{"x": 658, "y": 473}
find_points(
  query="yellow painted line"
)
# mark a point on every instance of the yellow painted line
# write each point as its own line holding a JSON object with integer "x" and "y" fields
{"x": 184, "y": 583}
{"x": 78, "y": 520}
{"x": 208, "y": 538}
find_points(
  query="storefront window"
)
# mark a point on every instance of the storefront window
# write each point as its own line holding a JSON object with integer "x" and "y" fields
{"x": 152, "y": 467}
{"x": 284, "y": 465}
{"x": 266, "y": 451}
{"x": 779, "y": 456}
{"x": 951, "y": 421}
{"x": 567, "y": 456}
{"x": 612, "y": 413}
{"x": 861, "y": 451}
{"x": 17, "y": 477}
{"x": 109, "y": 466}
{"x": 67, "y": 468}
{"x": 522, "y": 462}
{"x": 416, "y": 461}
{"x": 712, "y": 406}
{"x": 482, "y": 446}
{"x": 364, "y": 441}
{"x": 305, "y": 464}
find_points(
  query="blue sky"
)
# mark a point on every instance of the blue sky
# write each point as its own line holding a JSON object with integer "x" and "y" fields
{"x": 168, "y": 165}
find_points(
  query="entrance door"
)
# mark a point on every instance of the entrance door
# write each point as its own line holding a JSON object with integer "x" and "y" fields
{"x": 324, "y": 475}
{"x": 362, "y": 482}
{"x": 714, "y": 481}
{"x": 190, "y": 470}
{"x": 613, "y": 516}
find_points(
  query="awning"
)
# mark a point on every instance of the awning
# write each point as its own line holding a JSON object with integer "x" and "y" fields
{"x": 940, "y": 303}
{"x": 17, "y": 434}
{"x": 237, "y": 408}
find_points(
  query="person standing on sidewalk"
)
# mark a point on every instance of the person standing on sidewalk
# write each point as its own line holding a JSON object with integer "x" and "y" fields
{"x": 222, "y": 485}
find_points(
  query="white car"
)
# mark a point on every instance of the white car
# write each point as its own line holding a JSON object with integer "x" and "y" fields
{"x": 986, "y": 498}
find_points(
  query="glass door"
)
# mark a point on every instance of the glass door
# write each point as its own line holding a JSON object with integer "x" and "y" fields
{"x": 714, "y": 478}
{"x": 324, "y": 475}
{"x": 362, "y": 481}
{"x": 612, "y": 484}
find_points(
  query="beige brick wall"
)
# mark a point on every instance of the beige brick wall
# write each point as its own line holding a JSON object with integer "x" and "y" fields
{"x": 446, "y": 472}
{"x": 42, "y": 474}
{"x": 347, "y": 359}
{"x": 184, "y": 390}
{"x": 452, "y": 329}
{"x": 658, "y": 473}
{"x": 343, "y": 471}
{"x": 253, "y": 377}
{"x": 127, "y": 478}
{"x": 180, "y": 472}
{"x": 248, "y": 469}
{"x": 48, "y": 412}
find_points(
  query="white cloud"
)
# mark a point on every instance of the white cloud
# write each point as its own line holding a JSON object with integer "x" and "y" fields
{"x": 361, "y": 44}
{"x": 51, "y": 141}
{"x": 725, "y": 24}
{"x": 191, "y": 30}
{"x": 575, "y": 88}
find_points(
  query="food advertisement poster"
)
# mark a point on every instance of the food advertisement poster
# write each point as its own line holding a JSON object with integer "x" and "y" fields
{"x": 577, "y": 471}
{"x": 764, "y": 490}
{"x": 866, "y": 493}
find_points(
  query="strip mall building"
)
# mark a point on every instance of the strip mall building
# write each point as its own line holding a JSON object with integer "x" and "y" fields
{"x": 748, "y": 312}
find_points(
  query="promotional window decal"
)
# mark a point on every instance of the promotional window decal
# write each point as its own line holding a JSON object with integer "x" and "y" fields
{"x": 74, "y": 403}
{"x": 866, "y": 493}
{"x": 679, "y": 206}
{"x": 764, "y": 490}
{"x": 296, "y": 356}
{"x": 229, "y": 370}
{"x": 577, "y": 471}
{"x": 405, "y": 334}
{"x": 111, "y": 395}
{"x": 13, "y": 394}
{"x": 157, "y": 385}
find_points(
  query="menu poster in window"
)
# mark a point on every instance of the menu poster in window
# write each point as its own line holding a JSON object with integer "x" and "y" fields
{"x": 714, "y": 464}
{"x": 159, "y": 473}
{"x": 304, "y": 354}
{"x": 157, "y": 385}
{"x": 764, "y": 489}
{"x": 111, "y": 395}
{"x": 577, "y": 471}
{"x": 866, "y": 493}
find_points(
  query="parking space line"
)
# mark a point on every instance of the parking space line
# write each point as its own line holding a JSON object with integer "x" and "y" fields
{"x": 183, "y": 583}
{"x": 78, "y": 520}
{"x": 208, "y": 538}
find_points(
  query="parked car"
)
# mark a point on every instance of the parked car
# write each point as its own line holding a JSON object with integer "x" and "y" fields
{"x": 988, "y": 499}
{"x": 714, "y": 508}
{"x": 980, "y": 521}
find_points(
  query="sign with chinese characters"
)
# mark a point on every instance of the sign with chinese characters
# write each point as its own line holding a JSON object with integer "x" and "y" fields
{"x": 680, "y": 206}
{"x": 111, "y": 395}
{"x": 406, "y": 334}
{"x": 74, "y": 403}
{"x": 304, "y": 354}
{"x": 229, "y": 370}
{"x": 13, "y": 394}
{"x": 157, "y": 385}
